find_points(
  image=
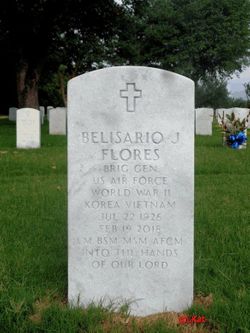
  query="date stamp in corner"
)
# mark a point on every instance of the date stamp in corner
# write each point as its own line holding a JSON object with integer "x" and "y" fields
{"x": 194, "y": 319}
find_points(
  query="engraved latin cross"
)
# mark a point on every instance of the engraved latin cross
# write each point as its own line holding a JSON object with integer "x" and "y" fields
{"x": 131, "y": 94}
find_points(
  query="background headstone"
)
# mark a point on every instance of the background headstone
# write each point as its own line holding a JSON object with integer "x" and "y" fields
{"x": 240, "y": 113}
{"x": 48, "y": 109}
{"x": 58, "y": 121}
{"x": 42, "y": 113}
{"x": 28, "y": 128}
{"x": 204, "y": 121}
{"x": 219, "y": 114}
{"x": 131, "y": 188}
{"x": 12, "y": 113}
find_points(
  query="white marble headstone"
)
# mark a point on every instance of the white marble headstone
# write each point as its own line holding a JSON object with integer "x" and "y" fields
{"x": 240, "y": 113}
{"x": 48, "y": 109}
{"x": 220, "y": 113}
{"x": 12, "y": 113}
{"x": 131, "y": 188}
{"x": 42, "y": 113}
{"x": 57, "y": 121}
{"x": 28, "y": 128}
{"x": 204, "y": 121}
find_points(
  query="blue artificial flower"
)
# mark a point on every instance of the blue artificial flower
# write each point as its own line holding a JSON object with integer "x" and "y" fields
{"x": 232, "y": 138}
{"x": 235, "y": 145}
{"x": 236, "y": 140}
{"x": 241, "y": 138}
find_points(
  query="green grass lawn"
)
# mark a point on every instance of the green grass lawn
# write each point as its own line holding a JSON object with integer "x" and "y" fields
{"x": 33, "y": 243}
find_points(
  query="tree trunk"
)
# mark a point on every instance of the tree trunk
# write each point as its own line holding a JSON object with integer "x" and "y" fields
{"x": 62, "y": 88}
{"x": 27, "y": 86}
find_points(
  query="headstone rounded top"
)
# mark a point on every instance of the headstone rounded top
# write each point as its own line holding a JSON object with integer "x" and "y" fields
{"x": 137, "y": 90}
{"x": 28, "y": 109}
{"x": 133, "y": 70}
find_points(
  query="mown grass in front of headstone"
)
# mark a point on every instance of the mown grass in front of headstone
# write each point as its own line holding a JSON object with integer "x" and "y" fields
{"x": 33, "y": 243}
{"x": 222, "y": 231}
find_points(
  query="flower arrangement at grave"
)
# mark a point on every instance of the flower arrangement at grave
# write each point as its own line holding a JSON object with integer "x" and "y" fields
{"x": 234, "y": 131}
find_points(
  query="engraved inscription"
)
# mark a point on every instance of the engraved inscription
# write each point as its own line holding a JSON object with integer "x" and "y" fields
{"x": 131, "y": 202}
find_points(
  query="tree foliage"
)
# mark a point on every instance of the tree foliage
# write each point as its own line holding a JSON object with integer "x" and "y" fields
{"x": 44, "y": 43}
{"x": 197, "y": 38}
{"x": 36, "y": 34}
{"x": 212, "y": 93}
